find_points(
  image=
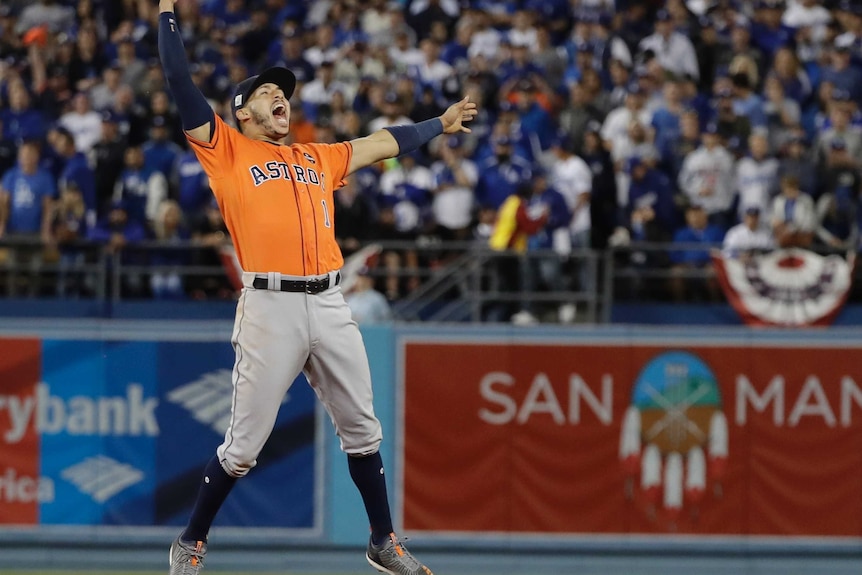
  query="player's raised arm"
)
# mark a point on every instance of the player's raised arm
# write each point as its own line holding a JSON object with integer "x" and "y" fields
{"x": 195, "y": 112}
{"x": 397, "y": 140}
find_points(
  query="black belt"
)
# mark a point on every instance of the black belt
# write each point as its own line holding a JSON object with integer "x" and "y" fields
{"x": 314, "y": 286}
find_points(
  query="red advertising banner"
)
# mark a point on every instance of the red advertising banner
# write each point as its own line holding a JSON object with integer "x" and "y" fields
{"x": 577, "y": 439}
{"x": 20, "y": 370}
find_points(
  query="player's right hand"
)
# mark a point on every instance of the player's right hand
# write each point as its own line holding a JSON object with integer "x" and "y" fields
{"x": 166, "y": 5}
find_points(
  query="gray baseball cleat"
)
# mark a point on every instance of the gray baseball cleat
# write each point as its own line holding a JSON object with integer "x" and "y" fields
{"x": 393, "y": 558}
{"x": 187, "y": 558}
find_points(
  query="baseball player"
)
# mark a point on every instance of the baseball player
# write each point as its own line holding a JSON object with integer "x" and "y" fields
{"x": 277, "y": 202}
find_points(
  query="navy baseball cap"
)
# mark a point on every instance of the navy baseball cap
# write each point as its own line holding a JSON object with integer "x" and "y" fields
{"x": 454, "y": 141}
{"x": 850, "y": 6}
{"x": 635, "y": 88}
{"x": 507, "y": 106}
{"x": 561, "y": 140}
{"x": 119, "y": 204}
{"x": 583, "y": 46}
{"x": 281, "y": 77}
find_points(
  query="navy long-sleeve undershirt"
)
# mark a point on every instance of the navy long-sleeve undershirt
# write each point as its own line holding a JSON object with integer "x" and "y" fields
{"x": 194, "y": 109}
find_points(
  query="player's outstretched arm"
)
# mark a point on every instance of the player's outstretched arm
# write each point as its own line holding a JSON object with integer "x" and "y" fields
{"x": 195, "y": 112}
{"x": 397, "y": 140}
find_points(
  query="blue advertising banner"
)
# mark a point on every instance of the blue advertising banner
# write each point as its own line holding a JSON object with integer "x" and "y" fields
{"x": 127, "y": 427}
{"x": 95, "y": 413}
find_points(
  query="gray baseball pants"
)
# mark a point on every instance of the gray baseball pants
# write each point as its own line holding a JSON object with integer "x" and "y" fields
{"x": 278, "y": 334}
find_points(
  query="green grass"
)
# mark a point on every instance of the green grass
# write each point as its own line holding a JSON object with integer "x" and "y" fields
{"x": 97, "y": 572}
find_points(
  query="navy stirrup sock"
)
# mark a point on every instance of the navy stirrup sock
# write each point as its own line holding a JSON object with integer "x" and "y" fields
{"x": 215, "y": 486}
{"x": 367, "y": 474}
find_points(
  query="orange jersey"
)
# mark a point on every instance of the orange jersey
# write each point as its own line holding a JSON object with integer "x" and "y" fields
{"x": 277, "y": 201}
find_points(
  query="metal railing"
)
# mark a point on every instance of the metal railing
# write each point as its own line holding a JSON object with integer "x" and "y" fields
{"x": 481, "y": 279}
{"x": 84, "y": 269}
{"x": 457, "y": 281}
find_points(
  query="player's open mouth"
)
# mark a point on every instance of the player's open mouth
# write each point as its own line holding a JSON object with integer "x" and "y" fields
{"x": 279, "y": 113}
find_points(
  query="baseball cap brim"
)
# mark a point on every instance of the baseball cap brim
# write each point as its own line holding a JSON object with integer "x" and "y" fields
{"x": 281, "y": 77}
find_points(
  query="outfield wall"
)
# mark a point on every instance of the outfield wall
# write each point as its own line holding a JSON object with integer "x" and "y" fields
{"x": 593, "y": 440}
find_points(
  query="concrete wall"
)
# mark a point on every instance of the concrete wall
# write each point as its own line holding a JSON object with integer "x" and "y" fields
{"x": 338, "y": 545}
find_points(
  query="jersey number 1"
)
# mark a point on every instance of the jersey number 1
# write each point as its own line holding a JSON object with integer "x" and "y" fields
{"x": 326, "y": 221}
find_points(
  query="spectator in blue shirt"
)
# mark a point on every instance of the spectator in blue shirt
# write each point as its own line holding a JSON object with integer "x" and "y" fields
{"x": 20, "y": 120}
{"x": 235, "y": 16}
{"x": 519, "y": 67}
{"x": 840, "y": 73}
{"x": 793, "y": 77}
{"x": 160, "y": 153}
{"x": 501, "y": 11}
{"x": 286, "y": 10}
{"x": 141, "y": 188}
{"x": 26, "y": 200}
{"x": 666, "y": 119}
{"x": 508, "y": 124}
{"x": 70, "y": 226}
{"x": 698, "y": 230}
{"x": 554, "y": 12}
{"x": 169, "y": 229}
{"x": 652, "y": 214}
{"x": 26, "y": 196}
{"x": 767, "y": 31}
{"x": 116, "y": 230}
{"x": 580, "y": 58}
{"x": 501, "y": 174}
{"x": 367, "y": 305}
{"x": 746, "y": 102}
{"x": 455, "y": 51}
{"x": 673, "y": 151}
{"x": 287, "y": 52}
{"x": 74, "y": 169}
{"x": 537, "y": 125}
{"x": 193, "y": 185}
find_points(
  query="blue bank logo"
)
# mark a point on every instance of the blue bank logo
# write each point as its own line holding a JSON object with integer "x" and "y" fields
{"x": 101, "y": 477}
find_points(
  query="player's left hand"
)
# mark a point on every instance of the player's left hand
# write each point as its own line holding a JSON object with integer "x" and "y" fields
{"x": 454, "y": 117}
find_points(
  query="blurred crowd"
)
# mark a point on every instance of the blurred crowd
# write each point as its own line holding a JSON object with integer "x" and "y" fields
{"x": 601, "y": 122}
